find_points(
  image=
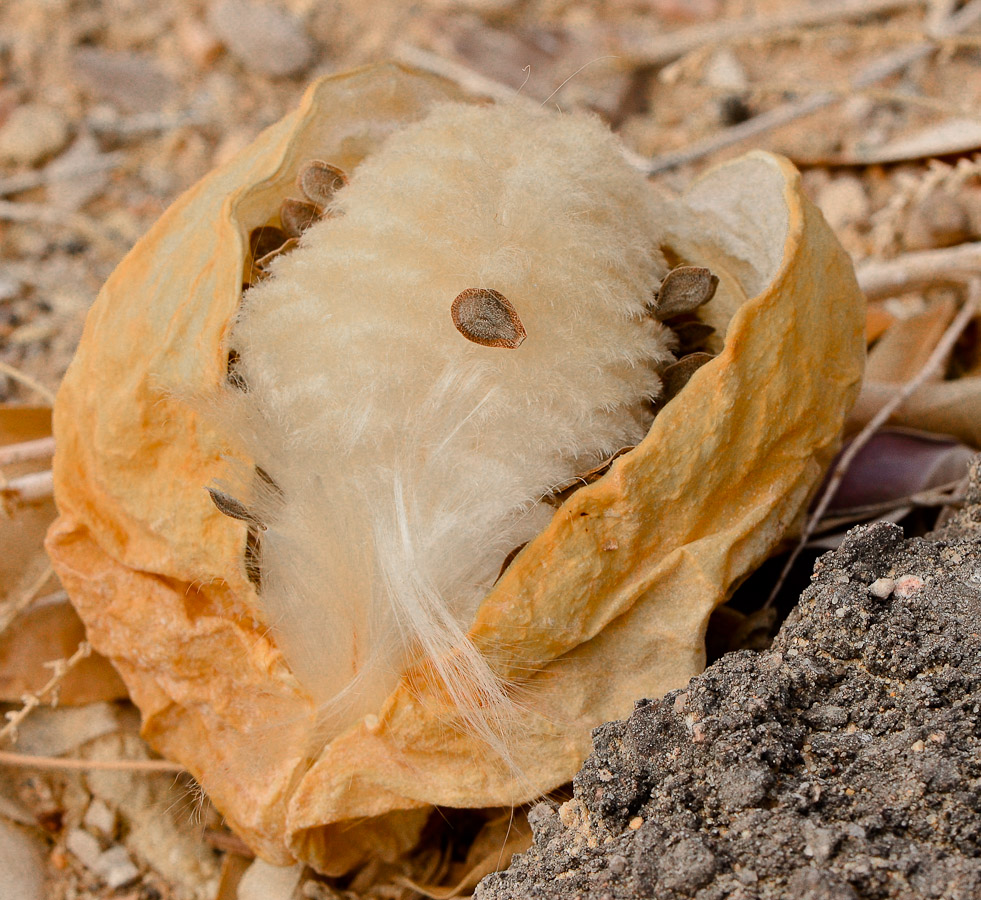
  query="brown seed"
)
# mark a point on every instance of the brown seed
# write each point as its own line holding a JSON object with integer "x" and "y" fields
{"x": 266, "y": 239}
{"x": 319, "y": 180}
{"x": 488, "y": 318}
{"x": 234, "y": 509}
{"x": 298, "y": 215}
{"x": 677, "y": 375}
{"x": 684, "y": 289}
{"x": 262, "y": 263}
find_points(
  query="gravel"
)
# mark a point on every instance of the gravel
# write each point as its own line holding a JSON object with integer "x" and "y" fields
{"x": 844, "y": 762}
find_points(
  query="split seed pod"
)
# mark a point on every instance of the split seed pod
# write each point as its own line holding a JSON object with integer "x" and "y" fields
{"x": 607, "y": 604}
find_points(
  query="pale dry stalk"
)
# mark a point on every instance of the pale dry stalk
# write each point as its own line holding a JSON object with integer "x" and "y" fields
{"x": 880, "y": 278}
{"x": 60, "y": 668}
{"x": 876, "y": 71}
{"x": 8, "y": 758}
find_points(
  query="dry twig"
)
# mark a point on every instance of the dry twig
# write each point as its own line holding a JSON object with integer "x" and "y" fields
{"x": 60, "y": 668}
{"x": 13, "y": 608}
{"x": 651, "y": 46}
{"x": 932, "y": 366}
{"x": 102, "y": 765}
{"x": 871, "y": 74}
{"x": 27, "y": 451}
{"x": 30, "y": 487}
{"x": 881, "y": 278}
{"x": 27, "y": 381}
{"x": 39, "y": 213}
{"x": 26, "y": 181}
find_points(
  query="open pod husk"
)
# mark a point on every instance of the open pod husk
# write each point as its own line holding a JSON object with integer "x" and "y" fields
{"x": 607, "y": 605}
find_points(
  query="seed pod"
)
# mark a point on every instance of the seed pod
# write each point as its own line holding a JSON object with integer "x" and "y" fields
{"x": 576, "y": 633}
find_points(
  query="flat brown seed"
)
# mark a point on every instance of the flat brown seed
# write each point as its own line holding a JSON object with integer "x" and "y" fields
{"x": 319, "y": 180}
{"x": 266, "y": 239}
{"x": 298, "y": 215}
{"x": 677, "y": 375}
{"x": 262, "y": 263}
{"x": 234, "y": 509}
{"x": 488, "y": 318}
{"x": 684, "y": 289}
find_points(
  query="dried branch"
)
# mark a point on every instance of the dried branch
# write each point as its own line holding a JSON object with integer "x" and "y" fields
{"x": 103, "y": 765}
{"x": 30, "y": 487}
{"x": 14, "y": 608}
{"x": 40, "y": 213}
{"x": 882, "y": 68}
{"x": 27, "y": 451}
{"x": 881, "y": 278}
{"x": 27, "y": 181}
{"x": 651, "y": 46}
{"x": 903, "y": 392}
{"x": 27, "y": 381}
{"x": 60, "y": 669}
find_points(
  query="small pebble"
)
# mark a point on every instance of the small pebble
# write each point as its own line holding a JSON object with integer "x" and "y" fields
{"x": 32, "y": 133}
{"x": 724, "y": 72}
{"x": 882, "y": 587}
{"x": 131, "y": 82}
{"x": 116, "y": 868}
{"x": 635, "y": 823}
{"x": 22, "y": 863}
{"x": 844, "y": 201}
{"x": 99, "y": 818}
{"x": 262, "y": 881}
{"x": 907, "y": 586}
{"x": 262, "y": 37}
{"x": 84, "y": 847}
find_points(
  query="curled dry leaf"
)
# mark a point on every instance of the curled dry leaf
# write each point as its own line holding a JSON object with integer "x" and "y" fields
{"x": 608, "y": 604}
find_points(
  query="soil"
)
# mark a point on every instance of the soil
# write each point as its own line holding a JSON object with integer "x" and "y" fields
{"x": 844, "y": 762}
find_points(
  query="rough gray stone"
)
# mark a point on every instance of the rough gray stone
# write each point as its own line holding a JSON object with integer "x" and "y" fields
{"x": 262, "y": 37}
{"x": 844, "y": 762}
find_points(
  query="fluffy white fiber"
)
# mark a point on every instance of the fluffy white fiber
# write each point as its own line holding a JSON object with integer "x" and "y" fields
{"x": 411, "y": 460}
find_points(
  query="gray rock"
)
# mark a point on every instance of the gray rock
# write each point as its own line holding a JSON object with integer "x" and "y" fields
{"x": 262, "y": 37}
{"x": 32, "y": 133}
{"x": 23, "y": 859}
{"x": 844, "y": 762}
{"x": 131, "y": 82}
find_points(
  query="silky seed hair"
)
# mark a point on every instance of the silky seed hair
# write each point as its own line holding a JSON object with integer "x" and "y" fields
{"x": 411, "y": 434}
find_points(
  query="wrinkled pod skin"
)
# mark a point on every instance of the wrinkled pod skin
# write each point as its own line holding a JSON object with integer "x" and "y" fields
{"x": 607, "y": 603}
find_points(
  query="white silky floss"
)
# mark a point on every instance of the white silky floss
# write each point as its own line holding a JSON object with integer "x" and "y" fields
{"x": 410, "y": 460}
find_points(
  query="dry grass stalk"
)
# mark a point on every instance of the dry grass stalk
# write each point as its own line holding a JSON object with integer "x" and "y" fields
{"x": 9, "y": 611}
{"x": 876, "y": 71}
{"x": 647, "y": 49}
{"x": 26, "y": 379}
{"x": 8, "y": 758}
{"x": 60, "y": 668}
{"x": 903, "y": 392}
{"x": 880, "y": 278}
{"x": 28, "y": 488}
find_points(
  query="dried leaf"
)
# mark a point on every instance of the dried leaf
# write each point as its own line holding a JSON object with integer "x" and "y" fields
{"x": 907, "y": 344}
{"x": 608, "y": 604}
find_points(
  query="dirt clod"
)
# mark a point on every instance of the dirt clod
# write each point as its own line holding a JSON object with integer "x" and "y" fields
{"x": 844, "y": 762}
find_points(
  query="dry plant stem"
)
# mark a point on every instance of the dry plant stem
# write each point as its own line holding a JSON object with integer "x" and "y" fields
{"x": 10, "y": 611}
{"x": 27, "y": 488}
{"x": 875, "y": 72}
{"x": 932, "y": 366}
{"x": 145, "y": 123}
{"x": 27, "y": 181}
{"x": 88, "y": 765}
{"x": 27, "y": 451}
{"x": 880, "y": 278}
{"x": 60, "y": 668}
{"x": 472, "y": 82}
{"x": 27, "y": 381}
{"x": 647, "y": 49}
{"x": 39, "y": 213}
